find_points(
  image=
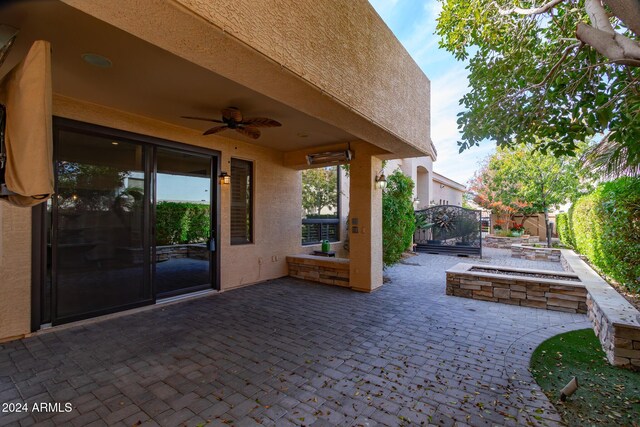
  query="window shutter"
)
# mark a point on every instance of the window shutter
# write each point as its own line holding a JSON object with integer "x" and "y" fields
{"x": 241, "y": 202}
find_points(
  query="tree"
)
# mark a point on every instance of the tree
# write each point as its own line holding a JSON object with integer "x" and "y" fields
{"x": 562, "y": 71}
{"x": 398, "y": 218}
{"x": 319, "y": 189}
{"x": 526, "y": 181}
{"x": 497, "y": 195}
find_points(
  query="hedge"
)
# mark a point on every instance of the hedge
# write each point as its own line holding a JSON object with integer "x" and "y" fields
{"x": 564, "y": 233}
{"x": 606, "y": 229}
{"x": 398, "y": 218}
{"x": 180, "y": 223}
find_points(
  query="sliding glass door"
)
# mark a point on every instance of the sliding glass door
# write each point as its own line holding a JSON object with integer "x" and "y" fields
{"x": 99, "y": 213}
{"x": 182, "y": 222}
{"x": 132, "y": 221}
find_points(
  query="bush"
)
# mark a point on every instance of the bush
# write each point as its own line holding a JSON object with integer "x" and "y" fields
{"x": 606, "y": 229}
{"x": 398, "y": 220}
{"x": 180, "y": 223}
{"x": 564, "y": 232}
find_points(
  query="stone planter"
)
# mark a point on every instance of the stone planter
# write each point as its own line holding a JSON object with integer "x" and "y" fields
{"x": 535, "y": 254}
{"x": 492, "y": 241}
{"x": 542, "y": 289}
{"x": 187, "y": 250}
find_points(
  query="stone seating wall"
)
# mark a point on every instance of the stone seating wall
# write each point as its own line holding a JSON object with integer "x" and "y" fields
{"x": 537, "y": 292}
{"x": 615, "y": 321}
{"x": 491, "y": 241}
{"x": 330, "y": 271}
{"x": 531, "y": 253}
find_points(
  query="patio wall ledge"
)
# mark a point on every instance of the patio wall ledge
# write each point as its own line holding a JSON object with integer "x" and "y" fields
{"x": 330, "y": 271}
{"x": 615, "y": 321}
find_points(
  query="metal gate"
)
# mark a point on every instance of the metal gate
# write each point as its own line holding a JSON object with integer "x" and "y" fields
{"x": 449, "y": 230}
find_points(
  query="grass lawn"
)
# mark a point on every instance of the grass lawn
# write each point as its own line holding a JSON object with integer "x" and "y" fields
{"x": 606, "y": 395}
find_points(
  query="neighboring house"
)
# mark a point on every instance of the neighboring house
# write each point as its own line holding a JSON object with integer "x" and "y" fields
{"x": 446, "y": 191}
{"x": 123, "y": 74}
{"x": 430, "y": 187}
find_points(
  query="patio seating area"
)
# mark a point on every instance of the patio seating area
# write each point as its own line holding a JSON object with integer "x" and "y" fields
{"x": 291, "y": 352}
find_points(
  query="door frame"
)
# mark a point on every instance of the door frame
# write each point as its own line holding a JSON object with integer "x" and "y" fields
{"x": 39, "y": 212}
{"x": 214, "y": 165}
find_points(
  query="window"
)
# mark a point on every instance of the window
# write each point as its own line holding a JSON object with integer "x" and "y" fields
{"x": 320, "y": 205}
{"x": 241, "y": 202}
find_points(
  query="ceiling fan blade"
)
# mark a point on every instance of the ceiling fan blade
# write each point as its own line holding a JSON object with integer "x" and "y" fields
{"x": 215, "y": 130}
{"x": 262, "y": 122}
{"x": 249, "y": 131}
{"x": 202, "y": 118}
{"x": 232, "y": 113}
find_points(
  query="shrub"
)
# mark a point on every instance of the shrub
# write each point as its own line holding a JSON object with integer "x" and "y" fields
{"x": 517, "y": 228}
{"x": 606, "y": 229}
{"x": 564, "y": 232}
{"x": 398, "y": 220}
{"x": 179, "y": 222}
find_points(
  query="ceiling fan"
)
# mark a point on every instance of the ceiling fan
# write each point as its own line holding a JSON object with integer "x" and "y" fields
{"x": 232, "y": 119}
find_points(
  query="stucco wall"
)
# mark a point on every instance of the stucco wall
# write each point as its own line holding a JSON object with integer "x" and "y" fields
{"x": 370, "y": 70}
{"x": 277, "y": 192}
{"x": 447, "y": 194}
{"x": 420, "y": 170}
{"x": 334, "y": 60}
{"x": 15, "y": 271}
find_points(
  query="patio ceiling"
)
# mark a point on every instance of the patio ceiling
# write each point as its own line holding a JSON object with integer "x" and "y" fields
{"x": 149, "y": 81}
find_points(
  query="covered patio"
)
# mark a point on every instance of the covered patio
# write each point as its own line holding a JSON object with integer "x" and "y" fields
{"x": 290, "y": 352}
{"x": 133, "y": 98}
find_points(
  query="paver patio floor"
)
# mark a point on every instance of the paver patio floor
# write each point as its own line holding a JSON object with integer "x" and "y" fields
{"x": 289, "y": 352}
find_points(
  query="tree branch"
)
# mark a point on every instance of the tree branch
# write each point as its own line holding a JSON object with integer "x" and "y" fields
{"x": 531, "y": 11}
{"x": 628, "y": 11}
{"x": 616, "y": 47}
{"x": 598, "y": 16}
{"x": 551, "y": 72}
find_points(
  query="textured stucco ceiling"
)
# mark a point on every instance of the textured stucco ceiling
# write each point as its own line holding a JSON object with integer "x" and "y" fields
{"x": 147, "y": 80}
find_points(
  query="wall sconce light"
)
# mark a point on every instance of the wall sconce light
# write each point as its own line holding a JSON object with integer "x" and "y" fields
{"x": 416, "y": 201}
{"x": 225, "y": 178}
{"x": 381, "y": 181}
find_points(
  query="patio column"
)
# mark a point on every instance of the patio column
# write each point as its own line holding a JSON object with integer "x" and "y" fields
{"x": 365, "y": 214}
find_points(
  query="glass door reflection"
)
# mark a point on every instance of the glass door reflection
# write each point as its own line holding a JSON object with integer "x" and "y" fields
{"x": 97, "y": 245}
{"x": 182, "y": 258}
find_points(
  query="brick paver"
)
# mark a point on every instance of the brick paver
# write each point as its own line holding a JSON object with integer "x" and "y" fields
{"x": 288, "y": 352}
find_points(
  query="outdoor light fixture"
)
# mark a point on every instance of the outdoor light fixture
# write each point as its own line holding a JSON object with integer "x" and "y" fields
{"x": 329, "y": 157}
{"x": 381, "y": 181}
{"x": 569, "y": 389}
{"x": 225, "y": 178}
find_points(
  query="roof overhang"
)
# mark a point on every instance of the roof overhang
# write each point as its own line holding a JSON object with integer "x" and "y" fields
{"x": 342, "y": 79}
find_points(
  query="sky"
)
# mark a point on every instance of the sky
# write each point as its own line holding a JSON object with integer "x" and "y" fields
{"x": 414, "y": 22}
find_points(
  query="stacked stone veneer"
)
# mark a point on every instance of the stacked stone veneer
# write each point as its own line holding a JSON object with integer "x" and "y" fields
{"x": 535, "y": 254}
{"x": 558, "y": 295}
{"x": 330, "y": 271}
{"x": 191, "y": 250}
{"x": 492, "y": 241}
{"x": 615, "y": 321}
